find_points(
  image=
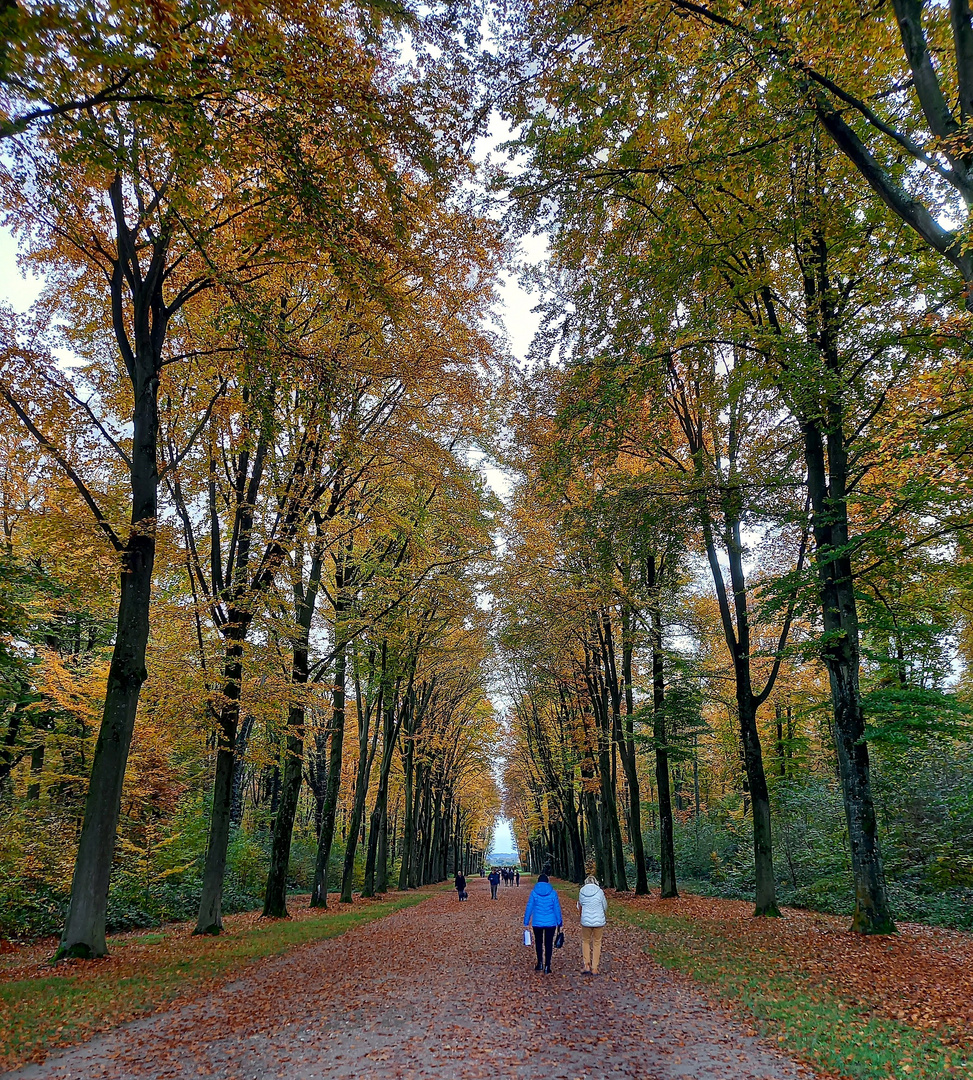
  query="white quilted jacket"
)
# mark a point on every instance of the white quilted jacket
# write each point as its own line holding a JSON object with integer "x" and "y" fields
{"x": 593, "y": 906}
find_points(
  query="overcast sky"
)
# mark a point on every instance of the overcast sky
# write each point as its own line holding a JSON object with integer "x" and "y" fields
{"x": 503, "y": 838}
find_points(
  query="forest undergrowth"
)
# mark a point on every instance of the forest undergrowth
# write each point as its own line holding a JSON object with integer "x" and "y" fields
{"x": 848, "y": 1006}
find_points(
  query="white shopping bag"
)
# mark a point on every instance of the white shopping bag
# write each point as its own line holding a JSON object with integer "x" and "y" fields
{"x": 527, "y": 940}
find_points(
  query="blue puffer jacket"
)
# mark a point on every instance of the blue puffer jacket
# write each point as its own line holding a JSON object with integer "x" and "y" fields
{"x": 543, "y": 906}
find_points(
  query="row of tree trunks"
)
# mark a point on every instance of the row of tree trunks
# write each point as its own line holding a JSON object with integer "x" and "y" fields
{"x": 342, "y": 608}
{"x": 376, "y": 858}
{"x": 210, "y": 918}
{"x": 367, "y": 745}
{"x": 305, "y": 601}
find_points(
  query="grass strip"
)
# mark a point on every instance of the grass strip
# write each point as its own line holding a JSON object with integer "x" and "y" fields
{"x": 41, "y": 1013}
{"x": 812, "y": 1023}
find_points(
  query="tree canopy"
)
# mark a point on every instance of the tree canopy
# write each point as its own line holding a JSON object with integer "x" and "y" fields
{"x": 264, "y": 627}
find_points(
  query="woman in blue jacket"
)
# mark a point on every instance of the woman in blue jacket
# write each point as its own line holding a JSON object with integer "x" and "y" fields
{"x": 544, "y": 910}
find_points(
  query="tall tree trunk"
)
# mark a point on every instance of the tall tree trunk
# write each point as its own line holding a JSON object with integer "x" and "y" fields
{"x": 305, "y": 600}
{"x": 826, "y": 460}
{"x": 382, "y": 854}
{"x": 317, "y": 775}
{"x": 781, "y": 753}
{"x": 574, "y": 832}
{"x": 210, "y": 917}
{"x": 319, "y": 888}
{"x": 10, "y": 756}
{"x": 408, "y": 766}
{"x": 244, "y": 731}
{"x": 738, "y": 641}
{"x": 36, "y": 768}
{"x": 435, "y": 839}
{"x": 445, "y": 819}
{"x": 609, "y": 803}
{"x": 376, "y": 881}
{"x": 419, "y": 870}
{"x": 629, "y": 760}
{"x": 595, "y": 832}
{"x": 765, "y": 881}
{"x": 84, "y": 929}
{"x": 841, "y": 652}
{"x": 667, "y": 851}
{"x": 366, "y": 755}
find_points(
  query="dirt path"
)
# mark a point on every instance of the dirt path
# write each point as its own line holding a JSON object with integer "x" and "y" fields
{"x": 438, "y": 991}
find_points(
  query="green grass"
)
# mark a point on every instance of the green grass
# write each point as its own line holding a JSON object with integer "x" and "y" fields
{"x": 41, "y": 1013}
{"x": 810, "y": 1022}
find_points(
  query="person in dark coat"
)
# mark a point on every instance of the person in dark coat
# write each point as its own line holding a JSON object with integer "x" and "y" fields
{"x": 544, "y": 911}
{"x": 494, "y": 880}
{"x": 459, "y": 884}
{"x": 517, "y": 876}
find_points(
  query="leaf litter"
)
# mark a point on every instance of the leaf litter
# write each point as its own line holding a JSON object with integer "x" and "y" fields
{"x": 442, "y": 990}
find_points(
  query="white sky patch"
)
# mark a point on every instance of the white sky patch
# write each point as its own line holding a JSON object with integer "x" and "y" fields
{"x": 503, "y": 839}
{"x": 16, "y": 289}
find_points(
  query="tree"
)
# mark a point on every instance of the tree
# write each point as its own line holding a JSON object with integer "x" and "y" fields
{"x": 172, "y": 181}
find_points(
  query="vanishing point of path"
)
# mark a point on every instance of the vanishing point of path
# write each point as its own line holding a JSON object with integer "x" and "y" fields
{"x": 435, "y": 992}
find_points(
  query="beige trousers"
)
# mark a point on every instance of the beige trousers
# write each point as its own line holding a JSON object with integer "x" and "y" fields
{"x": 591, "y": 946}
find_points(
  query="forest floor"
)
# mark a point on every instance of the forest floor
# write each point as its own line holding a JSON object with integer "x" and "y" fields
{"x": 884, "y": 1008}
{"x": 446, "y": 990}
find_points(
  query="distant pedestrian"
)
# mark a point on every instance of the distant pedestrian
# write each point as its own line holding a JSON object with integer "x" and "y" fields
{"x": 459, "y": 884}
{"x": 494, "y": 880}
{"x": 517, "y": 876}
{"x": 593, "y": 906}
{"x": 544, "y": 911}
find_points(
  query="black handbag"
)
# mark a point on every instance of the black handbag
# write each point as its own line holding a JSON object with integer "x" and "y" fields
{"x": 559, "y": 940}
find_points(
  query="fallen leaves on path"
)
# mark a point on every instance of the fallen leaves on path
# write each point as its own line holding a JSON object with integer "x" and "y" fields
{"x": 440, "y": 991}
{"x": 148, "y": 970}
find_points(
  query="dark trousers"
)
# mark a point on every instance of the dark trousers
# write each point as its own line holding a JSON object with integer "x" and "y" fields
{"x": 544, "y": 943}
{"x": 493, "y": 891}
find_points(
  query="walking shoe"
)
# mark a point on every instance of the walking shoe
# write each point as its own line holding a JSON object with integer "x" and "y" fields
{"x": 537, "y": 967}
{"x": 547, "y": 970}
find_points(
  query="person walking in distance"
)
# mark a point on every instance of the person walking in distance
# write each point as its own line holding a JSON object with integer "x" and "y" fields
{"x": 517, "y": 876}
{"x": 593, "y": 905}
{"x": 494, "y": 880}
{"x": 544, "y": 911}
{"x": 460, "y": 884}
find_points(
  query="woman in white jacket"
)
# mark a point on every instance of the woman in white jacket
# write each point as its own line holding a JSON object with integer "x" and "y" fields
{"x": 593, "y": 906}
